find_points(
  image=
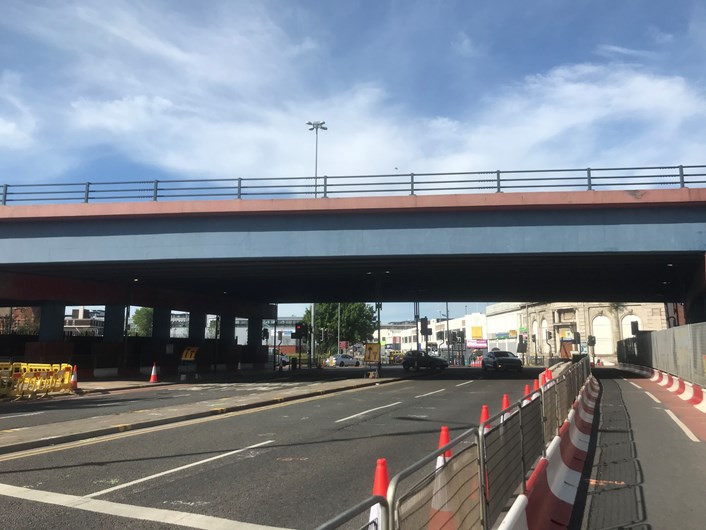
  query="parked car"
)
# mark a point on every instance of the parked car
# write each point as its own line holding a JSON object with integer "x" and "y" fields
{"x": 279, "y": 359}
{"x": 345, "y": 359}
{"x": 420, "y": 359}
{"x": 501, "y": 360}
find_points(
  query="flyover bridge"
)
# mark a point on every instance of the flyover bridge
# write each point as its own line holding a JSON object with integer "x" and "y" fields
{"x": 235, "y": 247}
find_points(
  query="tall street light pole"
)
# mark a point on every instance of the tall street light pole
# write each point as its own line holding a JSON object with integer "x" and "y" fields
{"x": 315, "y": 126}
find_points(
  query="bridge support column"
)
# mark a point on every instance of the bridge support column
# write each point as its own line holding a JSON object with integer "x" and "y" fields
{"x": 256, "y": 353}
{"x": 228, "y": 351}
{"x": 114, "y": 326}
{"x": 197, "y": 327}
{"x": 161, "y": 324}
{"x": 51, "y": 323}
{"x": 695, "y": 303}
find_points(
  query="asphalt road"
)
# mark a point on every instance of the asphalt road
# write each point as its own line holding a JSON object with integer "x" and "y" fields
{"x": 292, "y": 465}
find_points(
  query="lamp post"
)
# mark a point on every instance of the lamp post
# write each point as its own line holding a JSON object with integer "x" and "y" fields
{"x": 315, "y": 126}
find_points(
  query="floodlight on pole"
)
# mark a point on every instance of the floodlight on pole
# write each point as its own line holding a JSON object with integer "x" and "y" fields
{"x": 315, "y": 126}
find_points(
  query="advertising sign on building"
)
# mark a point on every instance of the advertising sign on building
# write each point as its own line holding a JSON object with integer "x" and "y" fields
{"x": 478, "y": 343}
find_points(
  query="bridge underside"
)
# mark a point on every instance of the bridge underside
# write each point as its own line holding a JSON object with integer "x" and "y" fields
{"x": 214, "y": 255}
{"x": 649, "y": 277}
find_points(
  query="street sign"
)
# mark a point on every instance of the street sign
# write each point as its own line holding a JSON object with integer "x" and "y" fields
{"x": 189, "y": 353}
{"x": 372, "y": 353}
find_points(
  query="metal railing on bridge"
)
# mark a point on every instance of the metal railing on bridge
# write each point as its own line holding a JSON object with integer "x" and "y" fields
{"x": 487, "y": 469}
{"x": 382, "y": 185}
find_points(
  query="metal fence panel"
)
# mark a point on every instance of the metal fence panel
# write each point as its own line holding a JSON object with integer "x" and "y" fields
{"x": 448, "y": 497}
{"x": 532, "y": 433}
{"x": 551, "y": 422}
{"x": 503, "y": 474}
{"x": 680, "y": 351}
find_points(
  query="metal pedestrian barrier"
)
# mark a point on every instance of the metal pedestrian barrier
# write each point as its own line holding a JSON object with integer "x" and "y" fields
{"x": 487, "y": 469}
{"x": 31, "y": 380}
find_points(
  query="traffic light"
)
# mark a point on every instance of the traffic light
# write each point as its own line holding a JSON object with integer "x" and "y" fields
{"x": 577, "y": 338}
{"x": 265, "y": 334}
{"x": 299, "y": 330}
{"x": 591, "y": 340}
{"x": 534, "y": 338}
{"x": 635, "y": 327}
{"x": 550, "y": 335}
{"x": 425, "y": 326}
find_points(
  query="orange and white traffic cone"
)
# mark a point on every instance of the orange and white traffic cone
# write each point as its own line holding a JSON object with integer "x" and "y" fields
{"x": 526, "y": 399}
{"x": 484, "y": 415}
{"x": 382, "y": 481}
{"x": 504, "y": 406}
{"x": 442, "y": 511}
{"x": 542, "y": 379}
{"x": 74, "y": 379}
{"x": 443, "y": 440}
{"x": 153, "y": 376}
{"x": 535, "y": 387}
{"x": 549, "y": 374}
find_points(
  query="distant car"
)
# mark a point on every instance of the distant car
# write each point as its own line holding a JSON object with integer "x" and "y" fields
{"x": 345, "y": 360}
{"x": 279, "y": 359}
{"x": 501, "y": 360}
{"x": 420, "y": 359}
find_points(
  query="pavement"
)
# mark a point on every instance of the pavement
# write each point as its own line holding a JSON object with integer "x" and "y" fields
{"x": 648, "y": 458}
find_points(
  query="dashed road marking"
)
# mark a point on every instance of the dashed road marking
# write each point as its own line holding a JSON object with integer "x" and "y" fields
{"x": 429, "y": 393}
{"x": 683, "y": 427}
{"x": 176, "y": 469}
{"x": 368, "y": 411}
{"x": 653, "y": 398}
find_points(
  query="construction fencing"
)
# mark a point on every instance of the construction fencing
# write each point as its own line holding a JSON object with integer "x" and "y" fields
{"x": 27, "y": 380}
{"x": 487, "y": 469}
{"x": 680, "y": 351}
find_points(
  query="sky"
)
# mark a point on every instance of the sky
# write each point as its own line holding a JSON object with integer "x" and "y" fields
{"x": 126, "y": 90}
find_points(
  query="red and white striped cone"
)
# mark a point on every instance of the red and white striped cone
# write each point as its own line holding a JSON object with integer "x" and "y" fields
{"x": 542, "y": 379}
{"x": 380, "y": 485}
{"x": 153, "y": 376}
{"x": 74, "y": 379}
{"x": 550, "y": 376}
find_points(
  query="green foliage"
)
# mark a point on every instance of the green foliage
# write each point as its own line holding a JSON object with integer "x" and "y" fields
{"x": 358, "y": 322}
{"x": 142, "y": 321}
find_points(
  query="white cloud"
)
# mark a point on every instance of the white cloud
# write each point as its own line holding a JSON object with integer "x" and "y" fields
{"x": 464, "y": 46}
{"x": 17, "y": 123}
{"x": 611, "y": 51}
{"x": 227, "y": 93}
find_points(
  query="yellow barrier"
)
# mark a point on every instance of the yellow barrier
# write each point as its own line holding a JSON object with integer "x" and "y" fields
{"x": 34, "y": 380}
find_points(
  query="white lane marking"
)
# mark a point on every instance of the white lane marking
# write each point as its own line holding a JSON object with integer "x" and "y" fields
{"x": 22, "y": 415}
{"x": 142, "y": 513}
{"x": 429, "y": 393}
{"x": 367, "y": 411}
{"x": 466, "y": 383}
{"x": 683, "y": 427}
{"x": 176, "y": 469}
{"x": 633, "y": 384}
{"x": 654, "y": 398}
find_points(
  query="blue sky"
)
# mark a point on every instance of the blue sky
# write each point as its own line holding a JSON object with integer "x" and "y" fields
{"x": 185, "y": 89}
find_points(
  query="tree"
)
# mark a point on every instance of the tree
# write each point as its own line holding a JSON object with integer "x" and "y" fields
{"x": 358, "y": 322}
{"x": 142, "y": 320}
